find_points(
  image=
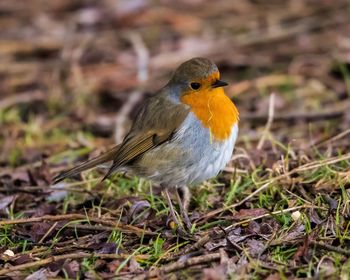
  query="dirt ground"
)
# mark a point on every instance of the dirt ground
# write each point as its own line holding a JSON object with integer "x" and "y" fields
{"x": 74, "y": 73}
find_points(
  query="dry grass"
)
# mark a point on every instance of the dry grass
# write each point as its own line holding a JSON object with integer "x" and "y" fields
{"x": 73, "y": 75}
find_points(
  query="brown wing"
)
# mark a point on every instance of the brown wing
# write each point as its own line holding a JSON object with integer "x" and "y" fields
{"x": 156, "y": 122}
{"x": 105, "y": 157}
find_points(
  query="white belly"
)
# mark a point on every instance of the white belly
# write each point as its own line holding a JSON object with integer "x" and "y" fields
{"x": 190, "y": 157}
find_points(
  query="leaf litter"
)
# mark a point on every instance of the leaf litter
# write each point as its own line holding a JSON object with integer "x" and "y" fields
{"x": 280, "y": 210}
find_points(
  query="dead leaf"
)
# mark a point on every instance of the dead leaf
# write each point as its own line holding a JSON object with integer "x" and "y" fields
{"x": 274, "y": 276}
{"x": 42, "y": 274}
{"x": 113, "y": 266}
{"x": 107, "y": 248}
{"x": 253, "y": 227}
{"x": 216, "y": 273}
{"x": 255, "y": 247}
{"x": 72, "y": 269}
{"x": 269, "y": 227}
{"x": 40, "y": 176}
{"x": 38, "y": 230}
{"x": 5, "y": 201}
{"x": 21, "y": 259}
{"x": 297, "y": 231}
{"x": 302, "y": 251}
{"x": 249, "y": 213}
{"x": 139, "y": 212}
{"x": 134, "y": 266}
{"x": 58, "y": 195}
{"x": 236, "y": 236}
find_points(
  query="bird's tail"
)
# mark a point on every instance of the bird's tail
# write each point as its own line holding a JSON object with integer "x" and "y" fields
{"x": 105, "y": 157}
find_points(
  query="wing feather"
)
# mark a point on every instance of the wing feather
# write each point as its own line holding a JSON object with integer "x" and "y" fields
{"x": 152, "y": 127}
{"x": 155, "y": 124}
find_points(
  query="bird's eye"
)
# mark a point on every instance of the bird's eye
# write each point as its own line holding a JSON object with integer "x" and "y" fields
{"x": 195, "y": 86}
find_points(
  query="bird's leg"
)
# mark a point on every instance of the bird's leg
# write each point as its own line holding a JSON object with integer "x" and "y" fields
{"x": 184, "y": 206}
{"x": 186, "y": 197}
{"x": 171, "y": 208}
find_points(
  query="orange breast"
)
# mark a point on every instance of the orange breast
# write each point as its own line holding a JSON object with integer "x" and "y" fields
{"x": 215, "y": 111}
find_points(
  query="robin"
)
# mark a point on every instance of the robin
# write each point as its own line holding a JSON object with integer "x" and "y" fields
{"x": 183, "y": 135}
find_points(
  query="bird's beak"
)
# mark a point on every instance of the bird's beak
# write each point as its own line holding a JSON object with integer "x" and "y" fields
{"x": 219, "y": 83}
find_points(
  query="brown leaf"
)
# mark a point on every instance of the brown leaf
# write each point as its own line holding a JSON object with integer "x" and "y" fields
{"x": 134, "y": 266}
{"x": 302, "y": 250}
{"x": 237, "y": 236}
{"x": 45, "y": 209}
{"x": 253, "y": 227}
{"x": 40, "y": 176}
{"x": 72, "y": 268}
{"x": 216, "y": 273}
{"x": 139, "y": 212}
{"x": 21, "y": 259}
{"x": 38, "y": 230}
{"x": 297, "y": 231}
{"x": 113, "y": 265}
{"x": 249, "y": 213}
{"x": 255, "y": 247}
{"x": 99, "y": 264}
{"x": 274, "y": 276}
{"x": 269, "y": 227}
{"x": 314, "y": 217}
{"x": 56, "y": 266}
{"x": 42, "y": 273}
{"x": 107, "y": 248}
{"x": 211, "y": 245}
{"x": 5, "y": 201}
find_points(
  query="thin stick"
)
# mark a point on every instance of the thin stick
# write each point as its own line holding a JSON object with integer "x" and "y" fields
{"x": 278, "y": 212}
{"x": 269, "y": 121}
{"x": 25, "y": 97}
{"x": 331, "y": 248}
{"x": 305, "y": 167}
{"x": 206, "y": 238}
{"x": 79, "y": 255}
{"x": 91, "y": 228}
{"x": 48, "y": 232}
{"x": 196, "y": 246}
{"x": 180, "y": 264}
{"x": 124, "y": 228}
{"x": 334, "y": 138}
{"x": 301, "y": 116}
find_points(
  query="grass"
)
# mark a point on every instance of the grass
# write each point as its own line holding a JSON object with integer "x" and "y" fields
{"x": 158, "y": 249}
{"x": 276, "y": 206}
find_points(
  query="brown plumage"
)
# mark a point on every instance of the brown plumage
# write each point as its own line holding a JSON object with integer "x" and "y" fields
{"x": 151, "y": 128}
{"x": 184, "y": 134}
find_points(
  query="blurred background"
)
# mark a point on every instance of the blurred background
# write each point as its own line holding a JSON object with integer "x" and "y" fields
{"x": 73, "y": 73}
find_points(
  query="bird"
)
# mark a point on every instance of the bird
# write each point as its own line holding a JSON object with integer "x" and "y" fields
{"x": 183, "y": 135}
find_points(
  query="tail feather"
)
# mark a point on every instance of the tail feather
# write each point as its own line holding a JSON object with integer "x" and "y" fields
{"x": 105, "y": 157}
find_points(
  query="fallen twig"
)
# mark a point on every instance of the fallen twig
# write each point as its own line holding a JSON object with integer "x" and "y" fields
{"x": 334, "y": 138}
{"x": 206, "y": 238}
{"x": 305, "y": 167}
{"x": 278, "y": 212}
{"x": 48, "y": 232}
{"x": 180, "y": 264}
{"x": 72, "y": 217}
{"x": 26, "y": 97}
{"x": 293, "y": 117}
{"x": 330, "y": 248}
{"x": 78, "y": 255}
